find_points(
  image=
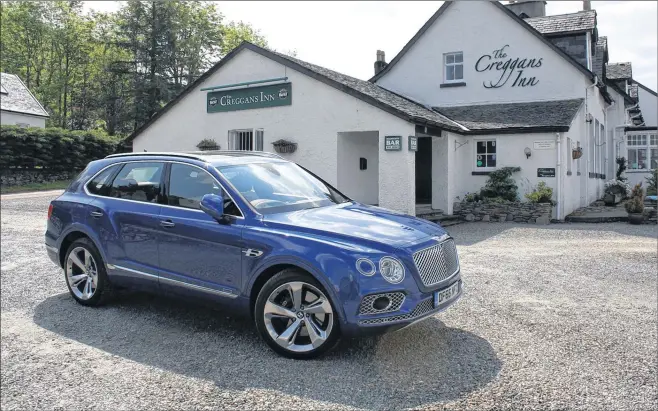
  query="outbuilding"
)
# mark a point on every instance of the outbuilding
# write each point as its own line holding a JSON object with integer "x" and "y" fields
{"x": 480, "y": 86}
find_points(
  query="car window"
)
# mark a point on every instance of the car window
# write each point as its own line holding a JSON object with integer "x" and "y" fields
{"x": 188, "y": 184}
{"x": 139, "y": 181}
{"x": 100, "y": 185}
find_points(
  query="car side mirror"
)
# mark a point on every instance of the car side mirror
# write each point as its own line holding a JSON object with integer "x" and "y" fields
{"x": 213, "y": 205}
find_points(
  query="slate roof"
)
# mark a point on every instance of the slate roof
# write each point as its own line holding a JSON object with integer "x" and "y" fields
{"x": 537, "y": 116}
{"x": 600, "y": 57}
{"x": 632, "y": 90}
{"x": 18, "y": 98}
{"x": 616, "y": 71}
{"x": 564, "y": 23}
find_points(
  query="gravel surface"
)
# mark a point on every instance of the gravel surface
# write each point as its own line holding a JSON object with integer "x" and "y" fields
{"x": 553, "y": 317}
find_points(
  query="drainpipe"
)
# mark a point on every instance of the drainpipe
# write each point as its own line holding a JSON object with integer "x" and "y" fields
{"x": 605, "y": 124}
{"x": 587, "y": 168}
{"x": 558, "y": 173}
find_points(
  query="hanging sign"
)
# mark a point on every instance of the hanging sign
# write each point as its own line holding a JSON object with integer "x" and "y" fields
{"x": 544, "y": 145}
{"x": 507, "y": 69}
{"x": 393, "y": 143}
{"x": 546, "y": 172}
{"x": 273, "y": 95}
{"x": 413, "y": 143}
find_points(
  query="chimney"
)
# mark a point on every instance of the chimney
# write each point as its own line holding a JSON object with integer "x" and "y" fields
{"x": 587, "y": 5}
{"x": 380, "y": 63}
{"x": 527, "y": 8}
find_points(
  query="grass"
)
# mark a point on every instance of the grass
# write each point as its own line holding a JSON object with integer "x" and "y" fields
{"x": 55, "y": 185}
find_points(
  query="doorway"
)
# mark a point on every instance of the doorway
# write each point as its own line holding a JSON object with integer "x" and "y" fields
{"x": 424, "y": 171}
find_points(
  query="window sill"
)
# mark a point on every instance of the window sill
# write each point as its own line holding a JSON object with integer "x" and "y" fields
{"x": 456, "y": 84}
{"x": 481, "y": 173}
{"x": 569, "y": 173}
{"x": 637, "y": 171}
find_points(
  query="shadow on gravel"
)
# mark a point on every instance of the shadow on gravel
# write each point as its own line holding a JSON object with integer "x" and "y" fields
{"x": 422, "y": 364}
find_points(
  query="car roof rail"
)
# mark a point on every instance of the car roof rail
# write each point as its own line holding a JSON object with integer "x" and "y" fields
{"x": 154, "y": 154}
{"x": 198, "y": 155}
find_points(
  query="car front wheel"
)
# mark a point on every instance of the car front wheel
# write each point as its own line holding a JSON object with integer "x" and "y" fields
{"x": 295, "y": 317}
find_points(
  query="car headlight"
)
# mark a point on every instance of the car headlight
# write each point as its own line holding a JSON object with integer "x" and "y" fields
{"x": 366, "y": 267}
{"x": 391, "y": 269}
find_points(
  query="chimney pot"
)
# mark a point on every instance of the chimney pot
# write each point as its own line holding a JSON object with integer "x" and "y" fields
{"x": 380, "y": 63}
{"x": 587, "y": 5}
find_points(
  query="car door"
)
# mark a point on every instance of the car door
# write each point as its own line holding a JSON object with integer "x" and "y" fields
{"x": 125, "y": 213}
{"x": 198, "y": 255}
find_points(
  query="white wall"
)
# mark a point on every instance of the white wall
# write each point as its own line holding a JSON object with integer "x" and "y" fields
{"x": 477, "y": 28}
{"x": 9, "y": 118}
{"x": 360, "y": 185}
{"x": 317, "y": 114}
{"x": 649, "y": 106}
{"x": 442, "y": 172}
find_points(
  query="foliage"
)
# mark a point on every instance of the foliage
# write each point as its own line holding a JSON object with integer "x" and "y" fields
{"x": 113, "y": 71}
{"x": 54, "y": 149}
{"x": 621, "y": 167}
{"x": 53, "y": 185}
{"x": 207, "y": 144}
{"x": 636, "y": 203}
{"x": 472, "y": 197}
{"x": 652, "y": 183}
{"x": 618, "y": 187}
{"x": 540, "y": 194}
{"x": 501, "y": 184}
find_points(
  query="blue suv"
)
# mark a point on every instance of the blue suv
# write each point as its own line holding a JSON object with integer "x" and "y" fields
{"x": 258, "y": 235}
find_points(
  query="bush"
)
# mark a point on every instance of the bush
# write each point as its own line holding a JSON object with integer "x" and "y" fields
{"x": 540, "y": 194}
{"x": 636, "y": 204}
{"x": 207, "y": 144}
{"x": 618, "y": 187}
{"x": 652, "y": 183}
{"x": 621, "y": 167}
{"x": 501, "y": 184}
{"x": 54, "y": 149}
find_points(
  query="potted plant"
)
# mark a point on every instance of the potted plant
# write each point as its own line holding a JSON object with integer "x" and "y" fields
{"x": 635, "y": 205}
{"x": 615, "y": 191}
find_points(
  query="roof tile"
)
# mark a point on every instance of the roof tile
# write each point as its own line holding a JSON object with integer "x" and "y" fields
{"x": 18, "y": 98}
{"x": 618, "y": 71}
{"x": 562, "y": 23}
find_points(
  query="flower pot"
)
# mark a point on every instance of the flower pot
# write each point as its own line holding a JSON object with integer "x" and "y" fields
{"x": 635, "y": 218}
{"x": 611, "y": 199}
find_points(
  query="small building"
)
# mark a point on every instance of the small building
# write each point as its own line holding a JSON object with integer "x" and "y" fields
{"x": 18, "y": 106}
{"x": 480, "y": 86}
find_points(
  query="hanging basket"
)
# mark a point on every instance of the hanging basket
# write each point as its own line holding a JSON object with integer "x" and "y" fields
{"x": 577, "y": 153}
{"x": 207, "y": 144}
{"x": 284, "y": 146}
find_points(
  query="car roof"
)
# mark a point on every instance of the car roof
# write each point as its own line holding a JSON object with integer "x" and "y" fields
{"x": 216, "y": 158}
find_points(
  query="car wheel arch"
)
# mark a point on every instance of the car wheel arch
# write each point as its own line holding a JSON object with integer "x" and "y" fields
{"x": 72, "y": 234}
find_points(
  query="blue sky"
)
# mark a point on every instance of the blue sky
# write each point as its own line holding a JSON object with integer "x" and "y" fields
{"x": 344, "y": 36}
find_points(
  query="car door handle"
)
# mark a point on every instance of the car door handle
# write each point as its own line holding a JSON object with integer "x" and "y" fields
{"x": 96, "y": 214}
{"x": 167, "y": 223}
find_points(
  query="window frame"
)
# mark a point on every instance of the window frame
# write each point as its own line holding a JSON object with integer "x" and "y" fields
{"x": 641, "y": 144}
{"x": 107, "y": 183}
{"x": 167, "y": 187}
{"x": 254, "y": 138}
{"x": 158, "y": 196}
{"x": 475, "y": 154}
{"x": 454, "y": 64}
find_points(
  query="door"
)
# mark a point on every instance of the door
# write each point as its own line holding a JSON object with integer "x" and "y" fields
{"x": 424, "y": 171}
{"x": 198, "y": 255}
{"x": 124, "y": 213}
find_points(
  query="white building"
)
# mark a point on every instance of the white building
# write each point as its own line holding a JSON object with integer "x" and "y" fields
{"x": 18, "y": 106}
{"x": 476, "y": 89}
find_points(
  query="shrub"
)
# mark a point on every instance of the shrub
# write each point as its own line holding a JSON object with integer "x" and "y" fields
{"x": 636, "y": 204}
{"x": 472, "y": 197}
{"x": 540, "y": 194}
{"x": 54, "y": 149}
{"x": 618, "y": 187}
{"x": 621, "y": 167}
{"x": 652, "y": 183}
{"x": 501, "y": 184}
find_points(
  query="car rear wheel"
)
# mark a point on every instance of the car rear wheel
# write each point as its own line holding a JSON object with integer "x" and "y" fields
{"x": 295, "y": 317}
{"x": 85, "y": 274}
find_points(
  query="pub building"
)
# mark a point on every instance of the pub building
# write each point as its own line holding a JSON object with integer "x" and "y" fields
{"x": 482, "y": 85}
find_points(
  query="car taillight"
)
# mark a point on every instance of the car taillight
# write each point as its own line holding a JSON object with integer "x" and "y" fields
{"x": 50, "y": 210}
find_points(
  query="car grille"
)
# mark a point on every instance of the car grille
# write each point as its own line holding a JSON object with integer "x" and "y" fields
{"x": 423, "y": 308}
{"x": 366, "y": 308}
{"x": 437, "y": 263}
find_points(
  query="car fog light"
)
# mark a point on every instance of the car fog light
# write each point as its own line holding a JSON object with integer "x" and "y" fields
{"x": 365, "y": 267}
{"x": 391, "y": 269}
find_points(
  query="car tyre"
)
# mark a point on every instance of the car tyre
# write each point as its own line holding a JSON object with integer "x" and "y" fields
{"x": 295, "y": 316}
{"x": 85, "y": 274}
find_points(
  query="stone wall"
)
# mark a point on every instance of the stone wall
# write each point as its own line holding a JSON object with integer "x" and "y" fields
{"x": 19, "y": 177}
{"x": 519, "y": 212}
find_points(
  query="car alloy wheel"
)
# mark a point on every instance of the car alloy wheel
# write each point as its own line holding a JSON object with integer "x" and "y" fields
{"x": 298, "y": 317}
{"x": 82, "y": 273}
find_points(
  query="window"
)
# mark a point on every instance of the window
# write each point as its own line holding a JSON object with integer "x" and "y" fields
{"x": 591, "y": 150}
{"x": 569, "y": 156}
{"x": 188, "y": 184}
{"x": 602, "y": 147}
{"x": 454, "y": 67}
{"x": 100, "y": 185}
{"x": 248, "y": 139}
{"x": 139, "y": 181}
{"x": 642, "y": 151}
{"x": 578, "y": 161}
{"x": 485, "y": 156}
{"x": 23, "y": 125}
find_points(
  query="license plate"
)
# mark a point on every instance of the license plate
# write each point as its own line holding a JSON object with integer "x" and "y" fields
{"x": 447, "y": 294}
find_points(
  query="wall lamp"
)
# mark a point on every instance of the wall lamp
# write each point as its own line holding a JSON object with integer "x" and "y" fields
{"x": 527, "y": 152}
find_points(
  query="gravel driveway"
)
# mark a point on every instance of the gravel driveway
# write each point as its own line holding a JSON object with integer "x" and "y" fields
{"x": 554, "y": 317}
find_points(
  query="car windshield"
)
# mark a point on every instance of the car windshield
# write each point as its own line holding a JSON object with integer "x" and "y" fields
{"x": 280, "y": 187}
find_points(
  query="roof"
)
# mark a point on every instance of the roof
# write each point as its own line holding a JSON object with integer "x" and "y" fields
{"x": 510, "y": 13}
{"x": 618, "y": 71}
{"x": 386, "y": 100}
{"x": 540, "y": 116}
{"x": 18, "y": 98}
{"x": 583, "y": 20}
{"x": 632, "y": 90}
{"x": 600, "y": 57}
{"x": 645, "y": 88}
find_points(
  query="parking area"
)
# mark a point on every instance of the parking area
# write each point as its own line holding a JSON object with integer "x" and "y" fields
{"x": 553, "y": 317}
